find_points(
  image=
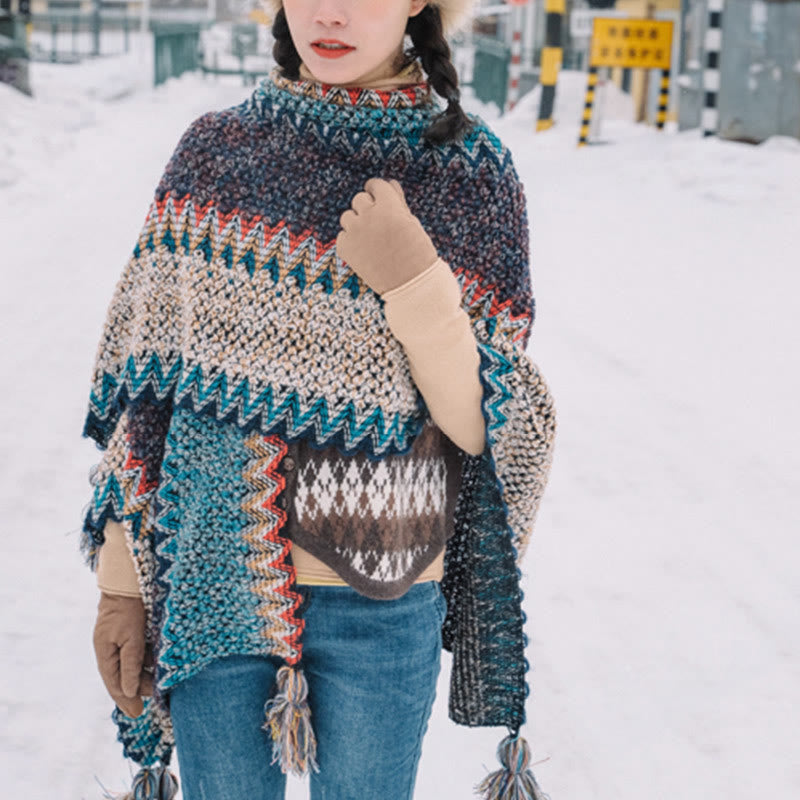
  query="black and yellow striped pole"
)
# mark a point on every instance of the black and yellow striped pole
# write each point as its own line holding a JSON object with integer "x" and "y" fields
{"x": 588, "y": 104}
{"x": 552, "y": 57}
{"x": 663, "y": 100}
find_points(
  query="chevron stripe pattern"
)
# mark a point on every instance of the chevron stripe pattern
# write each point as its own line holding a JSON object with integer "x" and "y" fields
{"x": 371, "y": 123}
{"x": 249, "y": 388}
{"x": 123, "y": 484}
{"x": 295, "y": 278}
{"x": 271, "y": 256}
{"x": 521, "y": 426}
{"x": 342, "y": 97}
{"x": 274, "y": 573}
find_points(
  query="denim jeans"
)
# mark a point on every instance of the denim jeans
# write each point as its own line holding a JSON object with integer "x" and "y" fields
{"x": 371, "y": 667}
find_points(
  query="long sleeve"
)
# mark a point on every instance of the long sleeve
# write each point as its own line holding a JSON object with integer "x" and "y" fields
{"x": 116, "y": 573}
{"x": 487, "y": 242}
{"x": 426, "y": 317}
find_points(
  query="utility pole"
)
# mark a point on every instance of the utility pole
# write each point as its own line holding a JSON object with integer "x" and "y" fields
{"x": 641, "y": 111}
{"x": 144, "y": 37}
{"x": 515, "y": 67}
{"x": 711, "y": 72}
{"x": 96, "y": 27}
{"x": 552, "y": 56}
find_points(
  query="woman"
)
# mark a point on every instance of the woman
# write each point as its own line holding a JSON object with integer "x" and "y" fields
{"x": 324, "y": 444}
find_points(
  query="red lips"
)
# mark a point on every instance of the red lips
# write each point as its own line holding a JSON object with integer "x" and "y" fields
{"x": 330, "y": 53}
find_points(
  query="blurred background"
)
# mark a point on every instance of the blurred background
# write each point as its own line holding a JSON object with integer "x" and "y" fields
{"x": 147, "y": 42}
{"x": 661, "y": 585}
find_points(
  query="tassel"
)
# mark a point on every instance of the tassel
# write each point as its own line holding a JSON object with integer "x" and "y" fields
{"x": 514, "y": 781}
{"x": 150, "y": 783}
{"x": 288, "y": 718}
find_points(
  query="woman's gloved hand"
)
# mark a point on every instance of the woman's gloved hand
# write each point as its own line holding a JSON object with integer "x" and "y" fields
{"x": 123, "y": 660}
{"x": 381, "y": 240}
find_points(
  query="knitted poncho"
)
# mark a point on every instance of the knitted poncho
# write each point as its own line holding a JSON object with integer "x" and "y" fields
{"x": 225, "y": 340}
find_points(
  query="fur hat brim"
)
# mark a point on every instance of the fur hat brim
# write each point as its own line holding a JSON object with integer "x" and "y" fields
{"x": 456, "y": 14}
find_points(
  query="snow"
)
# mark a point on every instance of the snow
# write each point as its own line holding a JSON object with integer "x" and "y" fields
{"x": 661, "y": 584}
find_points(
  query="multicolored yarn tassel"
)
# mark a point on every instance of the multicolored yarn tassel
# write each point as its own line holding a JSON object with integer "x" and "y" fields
{"x": 150, "y": 783}
{"x": 289, "y": 720}
{"x": 514, "y": 781}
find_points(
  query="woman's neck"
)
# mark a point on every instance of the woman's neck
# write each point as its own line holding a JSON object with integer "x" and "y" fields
{"x": 410, "y": 75}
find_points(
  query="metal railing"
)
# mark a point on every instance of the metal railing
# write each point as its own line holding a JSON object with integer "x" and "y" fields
{"x": 73, "y": 36}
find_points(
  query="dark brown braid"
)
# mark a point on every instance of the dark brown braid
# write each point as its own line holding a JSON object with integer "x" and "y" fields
{"x": 283, "y": 50}
{"x": 428, "y": 44}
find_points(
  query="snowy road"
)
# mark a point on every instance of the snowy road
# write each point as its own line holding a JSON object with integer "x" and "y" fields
{"x": 662, "y": 582}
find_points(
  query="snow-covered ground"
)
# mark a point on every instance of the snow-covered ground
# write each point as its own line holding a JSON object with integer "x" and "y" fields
{"x": 662, "y": 582}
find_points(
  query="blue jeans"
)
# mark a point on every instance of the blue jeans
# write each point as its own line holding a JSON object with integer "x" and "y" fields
{"x": 371, "y": 666}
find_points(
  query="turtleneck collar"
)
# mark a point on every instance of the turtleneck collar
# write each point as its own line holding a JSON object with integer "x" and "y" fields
{"x": 410, "y": 75}
{"x": 407, "y": 89}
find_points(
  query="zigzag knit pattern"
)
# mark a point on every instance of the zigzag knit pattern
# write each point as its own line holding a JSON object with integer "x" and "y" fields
{"x": 275, "y": 574}
{"x": 236, "y": 329}
{"x": 271, "y": 265}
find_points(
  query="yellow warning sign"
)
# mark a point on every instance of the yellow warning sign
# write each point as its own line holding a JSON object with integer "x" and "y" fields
{"x": 260, "y": 17}
{"x": 644, "y": 43}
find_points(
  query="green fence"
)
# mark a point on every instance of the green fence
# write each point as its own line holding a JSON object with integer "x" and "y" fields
{"x": 490, "y": 71}
{"x": 14, "y": 57}
{"x": 177, "y": 49}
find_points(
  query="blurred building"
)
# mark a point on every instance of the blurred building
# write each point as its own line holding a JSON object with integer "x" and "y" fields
{"x": 759, "y": 92}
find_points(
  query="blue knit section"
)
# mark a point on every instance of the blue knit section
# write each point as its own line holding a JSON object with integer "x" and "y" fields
{"x": 336, "y": 126}
{"x": 145, "y": 739}
{"x": 292, "y": 417}
{"x": 107, "y": 503}
{"x": 209, "y": 610}
{"x": 151, "y": 379}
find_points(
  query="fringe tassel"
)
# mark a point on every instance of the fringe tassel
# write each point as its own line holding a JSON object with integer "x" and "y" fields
{"x": 150, "y": 783}
{"x": 514, "y": 781}
{"x": 288, "y": 718}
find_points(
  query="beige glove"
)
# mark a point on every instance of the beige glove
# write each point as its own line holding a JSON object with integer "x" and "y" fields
{"x": 123, "y": 660}
{"x": 381, "y": 240}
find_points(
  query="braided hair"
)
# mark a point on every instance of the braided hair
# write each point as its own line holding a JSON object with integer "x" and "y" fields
{"x": 428, "y": 44}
